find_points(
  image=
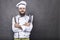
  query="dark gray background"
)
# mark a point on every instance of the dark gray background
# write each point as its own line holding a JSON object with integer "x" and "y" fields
{"x": 46, "y": 18}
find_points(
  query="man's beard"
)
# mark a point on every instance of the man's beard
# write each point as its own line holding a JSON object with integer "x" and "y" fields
{"x": 22, "y": 14}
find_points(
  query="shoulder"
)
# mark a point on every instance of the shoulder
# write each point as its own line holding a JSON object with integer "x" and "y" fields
{"x": 32, "y": 16}
{"x": 28, "y": 16}
{"x": 15, "y": 16}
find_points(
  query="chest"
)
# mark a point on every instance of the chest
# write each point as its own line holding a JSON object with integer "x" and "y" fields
{"x": 22, "y": 20}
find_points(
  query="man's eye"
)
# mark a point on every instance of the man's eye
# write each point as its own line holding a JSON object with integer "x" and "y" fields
{"x": 20, "y": 8}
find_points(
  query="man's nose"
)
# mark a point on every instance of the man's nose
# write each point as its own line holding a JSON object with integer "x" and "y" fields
{"x": 22, "y": 9}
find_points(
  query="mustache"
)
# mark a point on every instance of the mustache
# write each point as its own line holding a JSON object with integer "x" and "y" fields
{"x": 22, "y": 14}
{"x": 22, "y": 11}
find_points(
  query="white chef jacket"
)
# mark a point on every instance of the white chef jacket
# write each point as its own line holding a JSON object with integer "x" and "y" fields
{"x": 18, "y": 33}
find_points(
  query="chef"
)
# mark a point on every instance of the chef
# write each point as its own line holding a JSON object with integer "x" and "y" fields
{"x": 22, "y": 24}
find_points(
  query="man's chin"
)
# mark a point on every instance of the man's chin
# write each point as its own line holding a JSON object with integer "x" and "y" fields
{"x": 22, "y": 15}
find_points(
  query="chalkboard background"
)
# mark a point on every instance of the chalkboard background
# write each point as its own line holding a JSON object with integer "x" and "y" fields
{"x": 46, "y": 18}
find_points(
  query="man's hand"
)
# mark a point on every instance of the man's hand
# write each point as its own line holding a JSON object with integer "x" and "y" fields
{"x": 27, "y": 24}
{"x": 17, "y": 25}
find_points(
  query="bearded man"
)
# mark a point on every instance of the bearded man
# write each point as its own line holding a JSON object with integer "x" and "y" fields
{"x": 22, "y": 23}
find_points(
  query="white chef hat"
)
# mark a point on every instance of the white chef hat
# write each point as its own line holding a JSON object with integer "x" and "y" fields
{"x": 21, "y": 4}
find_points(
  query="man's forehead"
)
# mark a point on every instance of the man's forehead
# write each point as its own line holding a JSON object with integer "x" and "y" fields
{"x": 22, "y": 7}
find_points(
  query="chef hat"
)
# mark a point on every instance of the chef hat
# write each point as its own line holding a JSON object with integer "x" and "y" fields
{"x": 21, "y": 4}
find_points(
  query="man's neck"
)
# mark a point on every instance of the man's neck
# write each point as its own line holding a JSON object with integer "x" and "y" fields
{"x": 22, "y": 15}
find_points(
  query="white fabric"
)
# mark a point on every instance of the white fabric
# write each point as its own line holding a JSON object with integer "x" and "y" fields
{"x": 20, "y": 4}
{"x": 18, "y": 33}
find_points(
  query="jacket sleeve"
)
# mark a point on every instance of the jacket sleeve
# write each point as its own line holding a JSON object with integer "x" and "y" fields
{"x": 14, "y": 29}
{"x": 28, "y": 29}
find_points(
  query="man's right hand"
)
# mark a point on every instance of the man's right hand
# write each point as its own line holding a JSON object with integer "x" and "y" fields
{"x": 17, "y": 25}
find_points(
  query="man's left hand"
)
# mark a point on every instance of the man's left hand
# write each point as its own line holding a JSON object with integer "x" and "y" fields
{"x": 27, "y": 24}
